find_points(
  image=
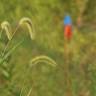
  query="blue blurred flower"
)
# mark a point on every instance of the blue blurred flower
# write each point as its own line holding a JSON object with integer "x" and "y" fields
{"x": 67, "y": 20}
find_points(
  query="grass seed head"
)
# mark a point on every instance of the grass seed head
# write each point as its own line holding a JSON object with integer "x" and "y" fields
{"x": 6, "y": 26}
{"x": 43, "y": 59}
{"x": 29, "y": 24}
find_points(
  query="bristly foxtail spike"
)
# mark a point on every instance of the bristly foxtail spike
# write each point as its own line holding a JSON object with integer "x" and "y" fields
{"x": 28, "y": 22}
{"x": 7, "y": 27}
{"x": 43, "y": 59}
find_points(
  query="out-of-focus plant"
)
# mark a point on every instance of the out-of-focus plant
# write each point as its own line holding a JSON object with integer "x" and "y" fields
{"x": 28, "y": 94}
{"x": 42, "y": 59}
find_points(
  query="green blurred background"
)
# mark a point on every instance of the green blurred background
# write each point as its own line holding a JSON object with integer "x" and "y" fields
{"x": 47, "y": 17}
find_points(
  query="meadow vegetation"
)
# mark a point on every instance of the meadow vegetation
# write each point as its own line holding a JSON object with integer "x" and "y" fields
{"x": 35, "y": 60}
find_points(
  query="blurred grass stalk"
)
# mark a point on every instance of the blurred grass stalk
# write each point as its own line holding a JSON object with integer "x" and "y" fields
{"x": 66, "y": 68}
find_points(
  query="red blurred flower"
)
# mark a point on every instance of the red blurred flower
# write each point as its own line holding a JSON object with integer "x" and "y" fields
{"x": 68, "y": 32}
